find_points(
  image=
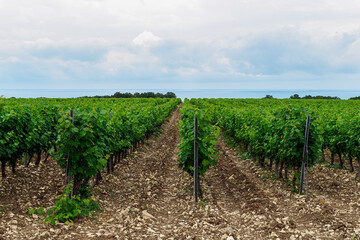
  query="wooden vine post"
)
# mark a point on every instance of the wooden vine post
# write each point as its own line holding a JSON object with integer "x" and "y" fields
{"x": 305, "y": 155}
{"x": 69, "y": 178}
{"x": 110, "y": 160}
{"x": 26, "y": 160}
{"x": 196, "y": 163}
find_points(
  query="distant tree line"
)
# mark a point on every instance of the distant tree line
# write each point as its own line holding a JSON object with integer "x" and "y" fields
{"x": 296, "y": 96}
{"x": 355, "y": 98}
{"x": 136, "y": 95}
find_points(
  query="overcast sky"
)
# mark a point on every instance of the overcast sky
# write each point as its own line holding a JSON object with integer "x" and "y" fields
{"x": 180, "y": 44}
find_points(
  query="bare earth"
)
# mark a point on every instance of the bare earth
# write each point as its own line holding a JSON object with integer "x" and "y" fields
{"x": 148, "y": 197}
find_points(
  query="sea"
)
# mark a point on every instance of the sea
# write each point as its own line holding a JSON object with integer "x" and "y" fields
{"x": 180, "y": 93}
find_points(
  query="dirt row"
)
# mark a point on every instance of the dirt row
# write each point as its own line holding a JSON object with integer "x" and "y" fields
{"x": 149, "y": 197}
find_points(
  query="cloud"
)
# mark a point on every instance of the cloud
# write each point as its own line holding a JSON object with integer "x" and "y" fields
{"x": 158, "y": 43}
{"x": 277, "y": 59}
{"x": 146, "y": 38}
{"x": 127, "y": 59}
{"x": 10, "y": 59}
{"x": 68, "y": 53}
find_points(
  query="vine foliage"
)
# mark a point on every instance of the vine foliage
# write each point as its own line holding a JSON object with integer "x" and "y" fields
{"x": 207, "y": 140}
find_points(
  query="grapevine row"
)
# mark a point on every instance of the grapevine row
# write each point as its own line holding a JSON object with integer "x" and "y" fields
{"x": 206, "y": 141}
{"x": 273, "y": 130}
{"x": 102, "y": 128}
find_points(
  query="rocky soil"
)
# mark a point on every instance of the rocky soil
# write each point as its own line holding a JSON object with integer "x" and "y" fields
{"x": 148, "y": 197}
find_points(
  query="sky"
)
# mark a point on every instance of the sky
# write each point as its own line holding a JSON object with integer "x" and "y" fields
{"x": 180, "y": 44}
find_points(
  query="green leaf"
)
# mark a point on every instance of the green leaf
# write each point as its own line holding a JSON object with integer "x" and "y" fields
{"x": 40, "y": 211}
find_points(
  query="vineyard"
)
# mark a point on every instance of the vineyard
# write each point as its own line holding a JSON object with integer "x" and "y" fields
{"x": 102, "y": 128}
{"x": 274, "y": 130}
{"x": 133, "y": 159}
